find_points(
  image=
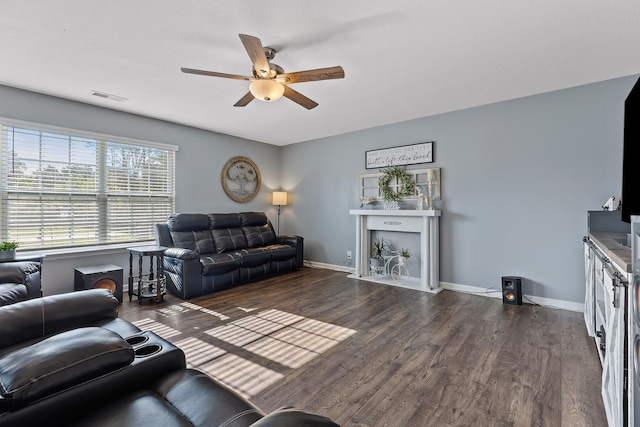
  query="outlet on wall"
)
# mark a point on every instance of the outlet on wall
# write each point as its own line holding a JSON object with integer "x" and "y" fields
{"x": 348, "y": 254}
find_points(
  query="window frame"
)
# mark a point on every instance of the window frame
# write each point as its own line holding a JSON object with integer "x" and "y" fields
{"x": 101, "y": 194}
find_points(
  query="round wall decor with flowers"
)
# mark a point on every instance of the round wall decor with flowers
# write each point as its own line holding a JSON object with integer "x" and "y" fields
{"x": 404, "y": 186}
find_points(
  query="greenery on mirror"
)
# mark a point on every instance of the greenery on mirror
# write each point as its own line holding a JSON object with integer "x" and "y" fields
{"x": 405, "y": 187}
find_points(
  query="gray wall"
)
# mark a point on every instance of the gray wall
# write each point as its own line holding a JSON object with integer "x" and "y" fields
{"x": 200, "y": 159}
{"x": 517, "y": 180}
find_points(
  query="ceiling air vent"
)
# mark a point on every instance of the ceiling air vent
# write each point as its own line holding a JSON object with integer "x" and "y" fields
{"x": 108, "y": 96}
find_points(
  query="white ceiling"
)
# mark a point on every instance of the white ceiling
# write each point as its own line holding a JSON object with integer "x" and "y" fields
{"x": 402, "y": 60}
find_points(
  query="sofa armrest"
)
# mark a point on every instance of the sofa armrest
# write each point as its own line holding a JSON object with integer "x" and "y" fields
{"x": 181, "y": 253}
{"x": 45, "y": 316}
{"x": 289, "y": 239}
{"x": 183, "y": 271}
{"x": 296, "y": 242}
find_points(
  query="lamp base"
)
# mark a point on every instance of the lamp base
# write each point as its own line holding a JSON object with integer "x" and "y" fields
{"x": 278, "y": 229}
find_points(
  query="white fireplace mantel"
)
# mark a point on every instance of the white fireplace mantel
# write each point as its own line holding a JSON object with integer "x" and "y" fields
{"x": 425, "y": 222}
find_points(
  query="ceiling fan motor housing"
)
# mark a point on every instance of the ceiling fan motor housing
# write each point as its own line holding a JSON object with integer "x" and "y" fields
{"x": 269, "y": 52}
{"x": 274, "y": 71}
{"x": 269, "y": 81}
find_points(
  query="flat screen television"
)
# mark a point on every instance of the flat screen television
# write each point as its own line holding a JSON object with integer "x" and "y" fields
{"x": 631, "y": 155}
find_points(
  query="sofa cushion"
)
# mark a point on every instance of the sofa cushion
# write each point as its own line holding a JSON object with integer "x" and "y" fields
{"x": 258, "y": 235}
{"x": 61, "y": 312}
{"x": 253, "y": 218}
{"x": 188, "y": 222}
{"x": 200, "y": 241}
{"x": 213, "y": 264}
{"x": 229, "y": 239}
{"x": 231, "y": 220}
{"x": 281, "y": 252}
{"x": 192, "y": 392}
{"x": 180, "y": 398}
{"x": 12, "y": 292}
{"x": 254, "y": 257}
{"x": 191, "y": 231}
{"x": 143, "y": 408}
{"x": 59, "y": 362}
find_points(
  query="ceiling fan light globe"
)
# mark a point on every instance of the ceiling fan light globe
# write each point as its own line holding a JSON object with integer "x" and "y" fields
{"x": 266, "y": 90}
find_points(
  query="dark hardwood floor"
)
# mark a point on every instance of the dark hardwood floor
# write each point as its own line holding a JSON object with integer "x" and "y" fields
{"x": 366, "y": 354}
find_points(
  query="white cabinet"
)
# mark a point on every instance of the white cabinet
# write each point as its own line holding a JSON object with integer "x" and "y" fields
{"x": 605, "y": 314}
{"x": 589, "y": 296}
{"x": 614, "y": 348}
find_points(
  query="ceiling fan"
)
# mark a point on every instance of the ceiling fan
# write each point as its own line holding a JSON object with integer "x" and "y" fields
{"x": 269, "y": 82}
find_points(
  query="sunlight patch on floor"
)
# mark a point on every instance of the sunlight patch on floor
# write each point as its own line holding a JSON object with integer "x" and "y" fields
{"x": 314, "y": 342}
{"x": 204, "y": 310}
{"x": 282, "y": 337}
{"x": 233, "y": 334}
{"x": 198, "y": 352}
{"x": 257, "y": 324}
{"x": 245, "y": 377}
{"x": 279, "y": 351}
{"x": 289, "y": 340}
{"x": 171, "y": 310}
{"x": 324, "y": 329}
{"x": 280, "y": 316}
{"x": 158, "y": 328}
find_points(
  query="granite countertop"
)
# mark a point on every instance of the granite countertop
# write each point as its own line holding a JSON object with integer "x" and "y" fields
{"x": 614, "y": 246}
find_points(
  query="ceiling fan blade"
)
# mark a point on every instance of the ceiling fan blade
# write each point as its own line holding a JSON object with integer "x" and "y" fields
{"x": 254, "y": 48}
{"x": 299, "y": 98}
{"x": 214, "y": 74}
{"x": 313, "y": 75}
{"x": 244, "y": 100}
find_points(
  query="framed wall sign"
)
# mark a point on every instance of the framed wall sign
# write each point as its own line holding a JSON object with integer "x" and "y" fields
{"x": 399, "y": 156}
{"x": 241, "y": 179}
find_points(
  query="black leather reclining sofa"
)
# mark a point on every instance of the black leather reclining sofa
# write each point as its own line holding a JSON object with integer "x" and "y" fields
{"x": 210, "y": 252}
{"x": 68, "y": 360}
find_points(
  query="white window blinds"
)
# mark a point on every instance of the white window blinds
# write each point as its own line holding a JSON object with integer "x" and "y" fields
{"x": 62, "y": 190}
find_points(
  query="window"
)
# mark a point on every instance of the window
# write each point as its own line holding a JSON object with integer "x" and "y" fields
{"x": 62, "y": 188}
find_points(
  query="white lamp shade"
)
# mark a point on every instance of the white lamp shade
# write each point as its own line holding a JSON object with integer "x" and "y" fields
{"x": 266, "y": 90}
{"x": 280, "y": 198}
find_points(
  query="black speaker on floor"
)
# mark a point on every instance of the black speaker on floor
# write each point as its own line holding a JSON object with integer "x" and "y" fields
{"x": 512, "y": 290}
{"x": 99, "y": 276}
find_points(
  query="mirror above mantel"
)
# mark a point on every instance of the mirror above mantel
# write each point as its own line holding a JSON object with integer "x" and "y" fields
{"x": 370, "y": 192}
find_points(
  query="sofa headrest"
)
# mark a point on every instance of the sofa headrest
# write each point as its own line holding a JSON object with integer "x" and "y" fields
{"x": 231, "y": 220}
{"x": 188, "y": 222}
{"x": 54, "y": 313}
{"x": 253, "y": 218}
{"x": 60, "y": 362}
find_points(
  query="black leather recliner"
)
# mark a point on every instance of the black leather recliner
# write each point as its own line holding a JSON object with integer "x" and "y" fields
{"x": 68, "y": 360}
{"x": 19, "y": 281}
{"x": 211, "y": 252}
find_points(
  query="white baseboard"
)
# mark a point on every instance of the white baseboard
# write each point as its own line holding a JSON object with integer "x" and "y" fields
{"x": 497, "y": 293}
{"x": 324, "y": 266}
{"x": 487, "y": 292}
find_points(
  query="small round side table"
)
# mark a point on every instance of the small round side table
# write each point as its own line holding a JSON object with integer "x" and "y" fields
{"x": 152, "y": 285}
